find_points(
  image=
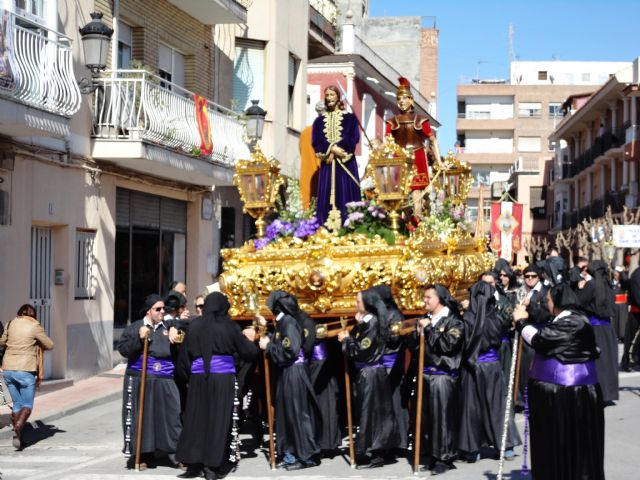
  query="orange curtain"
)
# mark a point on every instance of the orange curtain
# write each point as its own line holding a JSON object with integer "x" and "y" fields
{"x": 308, "y": 168}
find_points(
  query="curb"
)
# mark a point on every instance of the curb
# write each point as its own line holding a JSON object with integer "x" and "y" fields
{"x": 6, "y": 432}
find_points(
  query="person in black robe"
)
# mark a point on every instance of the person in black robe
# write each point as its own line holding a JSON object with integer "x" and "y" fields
{"x": 161, "y": 417}
{"x": 565, "y": 399}
{"x": 596, "y": 298}
{"x": 630, "y": 355}
{"x": 506, "y": 288}
{"x": 619, "y": 285}
{"x": 483, "y": 384}
{"x": 365, "y": 345}
{"x": 206, "y": 363}
{"x": 394, "y": 362}
{"x": 444, "y": 340}
{"x": 297, "y": 412}
{"x": 539, "y": 315}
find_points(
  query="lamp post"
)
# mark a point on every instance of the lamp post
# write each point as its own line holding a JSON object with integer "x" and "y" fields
{"x": 391, "y": 170}
{"x": 258, "y": 180}
{"x": 96, "y": 36}
{"x": 255, "y": 123}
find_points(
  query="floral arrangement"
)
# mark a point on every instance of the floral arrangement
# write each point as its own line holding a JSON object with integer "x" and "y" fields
{"x": 293, "y": 220}
{"x": 445, "y": 215}
{"x": 367, "y": 218}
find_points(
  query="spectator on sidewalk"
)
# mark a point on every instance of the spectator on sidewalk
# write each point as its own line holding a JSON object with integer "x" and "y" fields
{"x": 23, "y": 339}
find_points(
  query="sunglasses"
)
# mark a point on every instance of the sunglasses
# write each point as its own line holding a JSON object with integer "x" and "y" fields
{"x": 504, "y": 275}
{"x": 531, "y": 276}
{"x": 200, "y": 305}
{"x": 159, "y": 309}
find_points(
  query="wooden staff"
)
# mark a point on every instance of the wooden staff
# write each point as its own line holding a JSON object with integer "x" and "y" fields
{"x": 143, "y": 379}
{"x": 517, "y": 372}
{"x": 416, "y": 451}
{"x": 347, "y": 385}
{"x": 267, "y": 384}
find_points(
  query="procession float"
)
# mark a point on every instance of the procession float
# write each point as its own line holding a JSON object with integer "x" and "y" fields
{"x": 380, "y": 242}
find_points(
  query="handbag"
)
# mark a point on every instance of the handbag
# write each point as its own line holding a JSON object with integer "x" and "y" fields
{"x": 5, "y": 395}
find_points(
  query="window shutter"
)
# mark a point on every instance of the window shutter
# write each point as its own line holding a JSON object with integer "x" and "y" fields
{"x": 529, "y": 144}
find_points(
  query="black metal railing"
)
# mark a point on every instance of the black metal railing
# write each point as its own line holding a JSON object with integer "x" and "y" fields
{"x": 597, "y": 208}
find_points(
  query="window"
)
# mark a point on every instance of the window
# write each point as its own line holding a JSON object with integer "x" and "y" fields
{"x": 529, "y": 109}
{"x": 30, "y": 8}
{"x": 542, "y": 75}
{"x": 125, "y": 43}
{"x": 481, "y": 176}
{"x": 586, "y": 77}
{"x": 294, "y": 64}
{"x": 248, "y": 74}
{"x": 555, "y": 109}
{"x": 170, "y": 66}
{"x": 529, "y": 144}
{"x": 84, "y": 264}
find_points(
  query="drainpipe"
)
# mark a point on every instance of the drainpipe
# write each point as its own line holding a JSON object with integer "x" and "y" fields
{"x": 116, "y": 33}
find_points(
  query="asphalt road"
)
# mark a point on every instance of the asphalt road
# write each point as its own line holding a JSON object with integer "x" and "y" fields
{"x": 87, "y": 444}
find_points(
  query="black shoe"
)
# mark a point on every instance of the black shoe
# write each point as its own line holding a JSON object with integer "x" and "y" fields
{"x": 375, "y": 462}
{"x": 209, "y": 474}
{"x": 440, "y": 467}
{"x": 224, "y": 470}
{"x": 295, "y": 466}
{"x": 192, "y": 472}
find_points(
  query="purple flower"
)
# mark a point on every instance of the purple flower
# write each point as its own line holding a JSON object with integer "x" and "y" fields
{"x": 261, "y": 242}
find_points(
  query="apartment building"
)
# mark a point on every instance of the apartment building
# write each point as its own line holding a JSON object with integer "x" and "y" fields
{"x": 597, "y": 153}
{"x": 503, "y": 129}
{"x": 106, "y": 196}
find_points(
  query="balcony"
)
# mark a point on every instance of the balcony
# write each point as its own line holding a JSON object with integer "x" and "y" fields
{"x": 486, "y": 158}
{"x": 322, "y": 27}
{"x": 483, "y": 120}
{"x": 38, "y": 91}
{"x": 211, "y": 12}
{"x": 526, "y": 165}
{"x": 597, "y": 208}
{"x": 584, "y": 213}
{"x": 147, "y": 124}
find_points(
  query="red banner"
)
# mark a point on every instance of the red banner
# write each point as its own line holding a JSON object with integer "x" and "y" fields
{"x": 506, "y": 228}
{"x": 204, "y": 127}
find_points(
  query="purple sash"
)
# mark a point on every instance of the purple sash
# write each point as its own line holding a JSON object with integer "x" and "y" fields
{"x": 319, "y": 352}
{"x": 218, "y": 364}
{"x": 389, "y": 360}
{"x": 300, "y": 358}
{"x": 361, "y": 365}
{"x": 437, "y": 371}
{"x": 598, "y": 322}
{"x": 158, "y": 367}
{"x": 550, "y": 370}
{"x": 489, "y": 356}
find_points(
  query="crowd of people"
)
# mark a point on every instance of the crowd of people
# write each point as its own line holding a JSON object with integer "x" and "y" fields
{"x": 201, "y": 392}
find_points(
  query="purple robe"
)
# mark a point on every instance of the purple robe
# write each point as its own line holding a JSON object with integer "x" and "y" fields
{"x": 346, "y": 189}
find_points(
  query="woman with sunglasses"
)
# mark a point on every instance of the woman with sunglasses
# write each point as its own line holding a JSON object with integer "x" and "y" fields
{"x": 506, "y": 286}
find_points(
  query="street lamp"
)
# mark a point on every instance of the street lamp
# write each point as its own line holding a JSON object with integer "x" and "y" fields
{"x": 96, "y": 36}
{"x": 391, "y": 170}
{"x": 255, "y": 122}
{"x": 258, "y": 180}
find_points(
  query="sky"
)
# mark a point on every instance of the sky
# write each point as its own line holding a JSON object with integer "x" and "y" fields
{"x": 473, "y": 31}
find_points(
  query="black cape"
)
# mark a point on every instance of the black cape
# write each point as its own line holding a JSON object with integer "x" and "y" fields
{"x": 377, "y": 429}
{"x": 161, "y": 424}
{"x": 440, "y": 412}
{"x": 206, "y": 433}
{"x": 483, "y": 385}
{"x": 298, "y": 419}
{"x": 566, "y": 423}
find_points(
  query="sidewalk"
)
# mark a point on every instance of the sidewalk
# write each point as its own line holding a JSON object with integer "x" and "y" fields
{"x": 82, "y": 394}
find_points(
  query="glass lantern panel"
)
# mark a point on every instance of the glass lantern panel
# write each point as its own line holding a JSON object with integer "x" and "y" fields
{"x": 388, "y": 178}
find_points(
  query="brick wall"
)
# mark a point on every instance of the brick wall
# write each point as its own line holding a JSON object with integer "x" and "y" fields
{"x": 157, "y": 21}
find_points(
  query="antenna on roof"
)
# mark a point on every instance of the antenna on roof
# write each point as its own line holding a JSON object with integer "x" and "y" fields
{"x": 512, "y": 32}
